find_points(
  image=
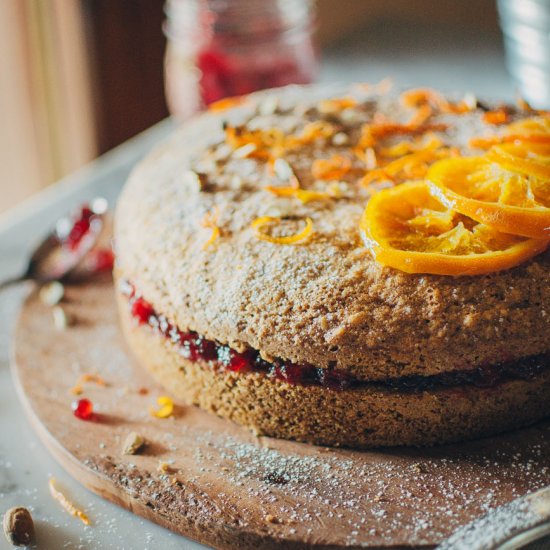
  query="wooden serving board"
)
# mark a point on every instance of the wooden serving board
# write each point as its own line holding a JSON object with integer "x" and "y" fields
{"x": 230, "y": 489}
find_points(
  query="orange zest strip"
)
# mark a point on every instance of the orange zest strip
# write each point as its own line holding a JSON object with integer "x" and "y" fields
{"x": 371, "y": 132}
{"x": 425, "y": 96}
{"x": 210, "y": 221}
{"x": 166, "y": 408}
{"x": 283, "y": 170}
{"x": 227, "y": 103}
{"x": 90, "y": 377}
{"x": 77, "y": 389}
{"x": 413, "y": 165}
{"x": 332, "y": 168}
{"x": 499, "y": 116}
{"x": 303, "y": 195}
{"x": 429, "y": 141}
{"x": 311, "y": 132}
{"x": 260, "y": 223}
{"x": 421, "y": 116}
{"x": 524, "y": 105}
{"x": 286, "y": 191}
{"x": 237, "y": 136}
{"x": 66, "y": 504}
{"x": 272, "y": 143}
{"x": 336, "y": 104}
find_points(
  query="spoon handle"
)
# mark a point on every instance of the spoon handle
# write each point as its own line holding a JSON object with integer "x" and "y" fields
{"x": 11, "y": 281}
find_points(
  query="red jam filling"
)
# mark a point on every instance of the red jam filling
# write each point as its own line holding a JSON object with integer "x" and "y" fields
{"x": 195, "y": 347}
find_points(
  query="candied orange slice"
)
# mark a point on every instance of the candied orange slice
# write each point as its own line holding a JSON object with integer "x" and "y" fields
{"x": 531, "y": 160}
{"x": 407, "y": 228}
{"x": 499, "y": 194}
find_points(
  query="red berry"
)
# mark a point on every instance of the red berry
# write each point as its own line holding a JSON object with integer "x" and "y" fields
{"x": 81, "y": 226}
{"x": 83, "y": 409}
{"x": 142, "y": 310}
{"x": 101, "y": 259}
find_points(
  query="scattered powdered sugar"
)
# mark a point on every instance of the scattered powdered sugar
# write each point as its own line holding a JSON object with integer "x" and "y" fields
{"x": 340, "y": 497}
{"x": 223, "y": 482}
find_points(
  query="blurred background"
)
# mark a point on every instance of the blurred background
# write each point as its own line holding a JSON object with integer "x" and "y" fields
{"x": 78, "y": 77}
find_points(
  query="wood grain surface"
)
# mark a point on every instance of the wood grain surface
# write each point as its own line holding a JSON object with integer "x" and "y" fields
{"x": 225, "y": 487}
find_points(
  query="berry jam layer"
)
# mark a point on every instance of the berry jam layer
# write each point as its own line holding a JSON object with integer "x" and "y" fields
{"x": 220, "y": 357}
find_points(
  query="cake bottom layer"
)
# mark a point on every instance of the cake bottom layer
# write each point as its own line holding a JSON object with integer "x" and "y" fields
{"x": 362, "y": 417}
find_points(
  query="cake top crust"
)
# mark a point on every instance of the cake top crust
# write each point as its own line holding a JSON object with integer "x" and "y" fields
{"x": 184, "y": 237}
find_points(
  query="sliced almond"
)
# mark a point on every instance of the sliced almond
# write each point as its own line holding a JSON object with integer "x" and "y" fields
{"x": 244, "y": 151}
{"x": 132, "y": 444}
{"x": 341, "y": 138}
{"x": 61, "y": 318}
{"x": 283, "y": 170}
{"x": 52, "y": 293}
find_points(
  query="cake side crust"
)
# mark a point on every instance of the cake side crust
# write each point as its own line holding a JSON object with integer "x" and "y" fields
{"x": 359, "y": 418}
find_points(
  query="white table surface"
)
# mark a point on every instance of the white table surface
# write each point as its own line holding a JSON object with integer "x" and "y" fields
{"x": 446, "y": 58}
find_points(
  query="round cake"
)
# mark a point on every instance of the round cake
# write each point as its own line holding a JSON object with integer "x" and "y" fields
{"x": 246, "y": 285}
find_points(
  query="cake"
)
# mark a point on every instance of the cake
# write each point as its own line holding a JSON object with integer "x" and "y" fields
{"x": 246, "y": 284}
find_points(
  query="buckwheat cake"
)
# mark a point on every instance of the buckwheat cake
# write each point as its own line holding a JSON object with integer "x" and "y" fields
{"x": 258, "y": 280}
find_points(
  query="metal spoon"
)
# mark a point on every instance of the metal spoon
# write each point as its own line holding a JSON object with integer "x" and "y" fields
{"x": 522, "y": 523}
{"x": 53, "y": 259}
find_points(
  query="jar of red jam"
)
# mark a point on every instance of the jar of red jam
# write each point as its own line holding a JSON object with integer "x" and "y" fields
{"x": 224, "y": 48}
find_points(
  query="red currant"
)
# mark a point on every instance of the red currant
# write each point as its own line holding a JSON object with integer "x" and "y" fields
{"x": 83, "y": 409}
{"x": 101, "y": 259}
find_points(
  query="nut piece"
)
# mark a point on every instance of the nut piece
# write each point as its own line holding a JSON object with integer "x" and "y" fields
{"x": 132, "y": 444}
{"x": 166, "y": 467}
{"x": 340, "y": 138}
{"x": 52, "y": 293}
{"x": 61, "y": 318}
{"x": 271, "y": 519}
{"x": 18, "y": 526}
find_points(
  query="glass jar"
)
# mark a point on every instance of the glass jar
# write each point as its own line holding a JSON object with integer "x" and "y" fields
{"x": 223, "y": 48}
